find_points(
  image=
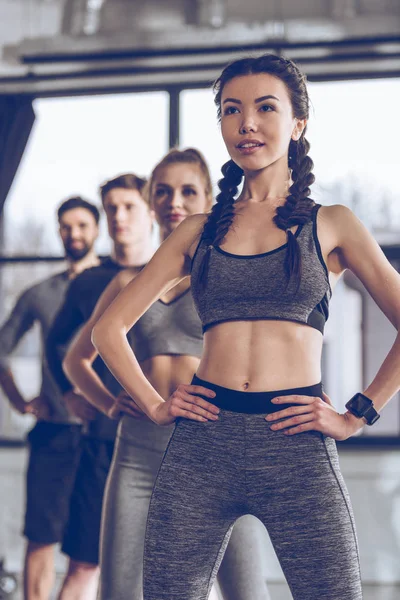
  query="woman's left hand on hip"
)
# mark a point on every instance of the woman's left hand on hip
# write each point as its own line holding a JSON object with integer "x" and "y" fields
{"x": 311, "y": 414}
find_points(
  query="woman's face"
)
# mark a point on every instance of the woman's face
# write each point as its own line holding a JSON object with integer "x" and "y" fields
{"x": 177, "y": 192}
{"x": 257, "y": 121}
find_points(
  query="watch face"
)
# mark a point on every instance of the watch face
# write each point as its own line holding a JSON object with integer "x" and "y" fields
{"x": 359, "y": 404}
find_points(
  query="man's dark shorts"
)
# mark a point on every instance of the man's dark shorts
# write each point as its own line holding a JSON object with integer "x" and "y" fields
{"x": 55, "y": 450}
{"x": 82, "y": 534}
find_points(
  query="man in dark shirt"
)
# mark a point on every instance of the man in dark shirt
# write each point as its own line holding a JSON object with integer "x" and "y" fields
{"x": 55, "y": 438}
{"x": 129, "y": 223}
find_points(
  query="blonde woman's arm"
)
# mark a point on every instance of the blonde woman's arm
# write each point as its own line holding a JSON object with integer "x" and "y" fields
{"x": 78, "y": 362}
{"x": 168, "y": 267}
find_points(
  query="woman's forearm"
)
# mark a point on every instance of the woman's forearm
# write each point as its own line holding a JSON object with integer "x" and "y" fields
{"x": 80, "y": 371}
{"x": 113, "y": 347}
{"x": 387, "y": 381}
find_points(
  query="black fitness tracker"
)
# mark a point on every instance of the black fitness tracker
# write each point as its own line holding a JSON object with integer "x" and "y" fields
{"x": 361, "y": 406}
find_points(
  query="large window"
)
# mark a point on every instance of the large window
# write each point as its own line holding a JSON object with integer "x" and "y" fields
{"x": 200, "y": 128}
{"x": 354, "y": 137}
{"x": 79, "y": 142}
{"x": 75, "y": 145}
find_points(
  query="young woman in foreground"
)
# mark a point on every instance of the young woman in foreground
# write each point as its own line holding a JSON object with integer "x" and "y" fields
{"x": 168, "y": 342}
{"x": 262, "y": 270}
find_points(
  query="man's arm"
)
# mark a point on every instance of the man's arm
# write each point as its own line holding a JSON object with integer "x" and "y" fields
{"x": 19, "y": 322}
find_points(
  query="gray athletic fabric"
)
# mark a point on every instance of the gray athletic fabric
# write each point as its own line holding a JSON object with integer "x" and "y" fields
{"x": 140, "y": 446}
{"x": 40, "y": 303}
{"x": 215, "y": 472}
{"x": 254, "y": 287}
{"x": 168, "y": 328}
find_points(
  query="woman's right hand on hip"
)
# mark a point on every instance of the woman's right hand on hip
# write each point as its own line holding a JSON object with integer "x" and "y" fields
{"x": 186, "y": 403}
{"x": 123, "y": 403}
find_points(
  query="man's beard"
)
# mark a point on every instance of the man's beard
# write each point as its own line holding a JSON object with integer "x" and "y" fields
{"x": 76, "y": 254}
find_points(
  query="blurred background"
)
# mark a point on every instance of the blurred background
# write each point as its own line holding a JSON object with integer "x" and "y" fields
{"x": 93, "y": 88}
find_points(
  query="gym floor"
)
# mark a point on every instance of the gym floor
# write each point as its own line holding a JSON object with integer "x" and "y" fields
{"x": 371, "y": 592}
{"x": 281, "y": 592}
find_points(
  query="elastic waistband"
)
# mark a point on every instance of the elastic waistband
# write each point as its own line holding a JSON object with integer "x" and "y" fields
{"x": 253, "y": 402}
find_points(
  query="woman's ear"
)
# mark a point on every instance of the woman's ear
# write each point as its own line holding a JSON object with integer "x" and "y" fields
{"x": 298, "y": 129}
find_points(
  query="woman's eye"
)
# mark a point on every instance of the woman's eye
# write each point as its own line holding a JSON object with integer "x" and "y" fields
{"x": 160, "y": 193}
{"x": 266, "y": 108}
{"x": 189, "y": 192}
{"x": 230, "y": 110}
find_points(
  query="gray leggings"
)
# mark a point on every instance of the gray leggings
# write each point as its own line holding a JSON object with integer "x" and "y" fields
{"x": 139, "y": 449}
{"x": 215, "y": 472}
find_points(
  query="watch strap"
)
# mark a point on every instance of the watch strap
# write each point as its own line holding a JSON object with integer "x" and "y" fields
{"x": 371, "y": 415}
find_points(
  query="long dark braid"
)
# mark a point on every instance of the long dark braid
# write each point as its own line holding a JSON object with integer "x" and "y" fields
{"x": 298, "y": 206}
{"x": 222, "y": 213}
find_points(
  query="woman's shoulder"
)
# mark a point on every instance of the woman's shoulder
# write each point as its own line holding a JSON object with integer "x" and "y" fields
{"x": 195, "y": 223}
{"x": 337, "y": 223}
{"x": 335, "y": 213}
{"x": 188, "y": 234}
{"x": 337, "y": 217}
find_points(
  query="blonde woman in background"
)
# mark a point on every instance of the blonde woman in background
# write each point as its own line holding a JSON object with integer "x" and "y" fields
{"x": 168, "y": 342}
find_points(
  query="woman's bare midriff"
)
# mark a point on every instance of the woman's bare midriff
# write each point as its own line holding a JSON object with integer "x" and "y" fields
{"x": 166, "y": 372}
{"x": 257, "y": 356}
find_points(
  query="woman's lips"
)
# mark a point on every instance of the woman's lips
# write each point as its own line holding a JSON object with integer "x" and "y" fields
{"x": 249, "y": 147}
{"x": 175, "y": 217}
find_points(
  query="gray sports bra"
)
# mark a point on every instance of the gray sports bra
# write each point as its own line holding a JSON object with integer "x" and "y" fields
{"x": 168, "y": 328}
{"x": 250, "y": 287}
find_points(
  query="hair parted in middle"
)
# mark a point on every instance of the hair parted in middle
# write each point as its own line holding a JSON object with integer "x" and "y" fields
{"x": 175, "y": 156}
{"x": 298, "y": 206}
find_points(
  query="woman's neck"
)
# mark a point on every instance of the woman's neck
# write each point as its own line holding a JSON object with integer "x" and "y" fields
{"x": 269, "y": 185}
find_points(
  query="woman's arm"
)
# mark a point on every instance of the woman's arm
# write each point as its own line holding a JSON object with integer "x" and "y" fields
{"x": 78, "y": 362}
{"x": 360, "y": 253}
{"x": 355, "y": 249}
{"x": 169, "y": 265}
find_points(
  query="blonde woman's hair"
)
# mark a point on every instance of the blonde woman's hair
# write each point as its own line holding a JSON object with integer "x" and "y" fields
{"x": 190, "y": 156}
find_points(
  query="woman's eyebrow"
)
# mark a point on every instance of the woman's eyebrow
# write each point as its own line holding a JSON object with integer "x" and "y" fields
{"x": 266, "y": 98}
{"x": 256, "y": 101}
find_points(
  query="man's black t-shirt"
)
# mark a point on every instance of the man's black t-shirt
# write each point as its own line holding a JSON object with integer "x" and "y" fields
{"x": 80, "y": 300}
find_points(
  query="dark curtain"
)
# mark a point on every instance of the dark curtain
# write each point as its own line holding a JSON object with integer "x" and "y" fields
{"x": 16, "y": 121}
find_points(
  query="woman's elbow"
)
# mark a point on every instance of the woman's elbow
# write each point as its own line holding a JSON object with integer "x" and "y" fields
{"x": 98, "y": 334}
{"x": 69, "y": 364}
{"x": 66, "y": 364}
{"x": 107, "y": 333}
